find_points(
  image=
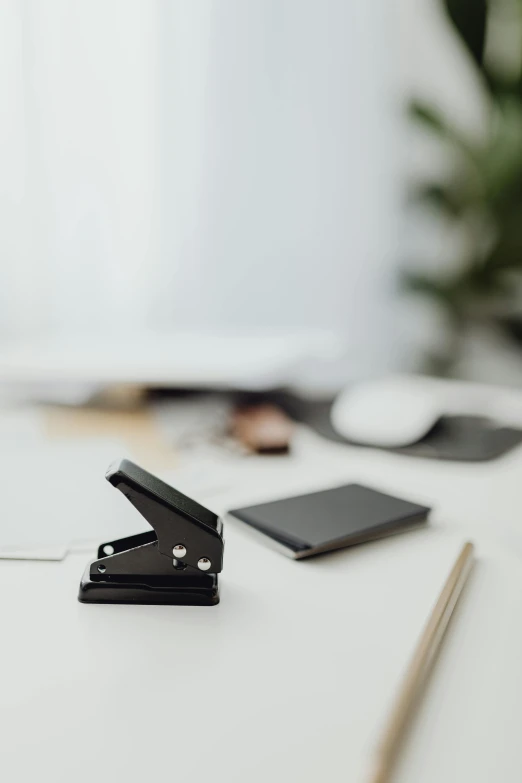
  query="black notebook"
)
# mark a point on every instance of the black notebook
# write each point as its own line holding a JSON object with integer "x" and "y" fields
{"x": 322, "y": 521}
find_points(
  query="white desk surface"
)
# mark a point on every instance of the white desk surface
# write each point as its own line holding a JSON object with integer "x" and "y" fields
{"x": 134, "y": 693}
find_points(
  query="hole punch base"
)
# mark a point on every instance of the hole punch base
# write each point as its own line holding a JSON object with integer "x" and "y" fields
{"x": 107, "y": 592}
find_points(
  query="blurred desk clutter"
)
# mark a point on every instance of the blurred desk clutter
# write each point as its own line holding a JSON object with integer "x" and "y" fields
{"x": 221, "y": 444}
{"x": 262, "y": 428}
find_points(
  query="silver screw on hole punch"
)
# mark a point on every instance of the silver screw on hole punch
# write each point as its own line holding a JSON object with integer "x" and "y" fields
{"x": 204, "y": 564}
{"x": 179, "y": 551}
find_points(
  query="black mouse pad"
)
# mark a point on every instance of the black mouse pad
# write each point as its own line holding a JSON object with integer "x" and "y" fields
{"x": 465, "y": 438}
{"x": 322, "y": 521}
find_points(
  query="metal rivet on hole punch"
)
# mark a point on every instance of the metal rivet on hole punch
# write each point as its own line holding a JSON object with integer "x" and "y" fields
{"x": 204, "y": 564}
{"x": 179, "y": 551}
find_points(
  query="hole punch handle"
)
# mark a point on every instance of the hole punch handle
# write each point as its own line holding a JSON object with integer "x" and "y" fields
{"x": 175, "y": 518}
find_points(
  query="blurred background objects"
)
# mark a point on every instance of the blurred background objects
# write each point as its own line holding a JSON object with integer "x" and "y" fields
{"x": 471, "y": 195}
{"x": 234, "y": 195}
{"x": 241, "y": 168}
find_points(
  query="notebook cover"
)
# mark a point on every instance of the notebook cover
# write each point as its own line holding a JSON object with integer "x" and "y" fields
{"x": 317, "y": 522}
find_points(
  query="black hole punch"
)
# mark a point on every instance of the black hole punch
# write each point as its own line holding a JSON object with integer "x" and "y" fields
{"x": 143, "y": 568}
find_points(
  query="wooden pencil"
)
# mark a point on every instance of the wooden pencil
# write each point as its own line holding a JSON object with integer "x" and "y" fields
{"x": 420, "y": 666}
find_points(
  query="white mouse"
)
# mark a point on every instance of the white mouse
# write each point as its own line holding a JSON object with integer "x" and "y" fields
{"x": 391, "y": 412}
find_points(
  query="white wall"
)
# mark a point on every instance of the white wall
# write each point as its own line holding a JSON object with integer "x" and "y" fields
{"x": 78, "y": 162}
{"x": 282, "y": 185}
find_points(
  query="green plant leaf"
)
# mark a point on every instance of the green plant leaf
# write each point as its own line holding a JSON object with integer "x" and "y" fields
{"x": 512, "y": 327}
{"x": 501, "y": 163}
{"x": 435, "y": 122}
{"x": 426, "y": 285}
{"x": 447, "y": 199}
{"x": 470, "y": 20}
{"x": 426, "y": 115}
{"x": 507, "y": 251}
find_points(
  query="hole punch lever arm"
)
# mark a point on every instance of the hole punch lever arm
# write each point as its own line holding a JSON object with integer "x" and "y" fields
{"x": 175, "y": 518}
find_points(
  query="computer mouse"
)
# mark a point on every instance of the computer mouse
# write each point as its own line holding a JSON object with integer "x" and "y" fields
{"x": 391, "y": 412}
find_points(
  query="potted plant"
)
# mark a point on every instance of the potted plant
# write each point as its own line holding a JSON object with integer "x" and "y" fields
{"x": 481, "y": 195}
